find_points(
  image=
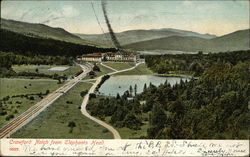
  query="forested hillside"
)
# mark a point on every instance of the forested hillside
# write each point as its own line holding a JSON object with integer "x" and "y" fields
{"x": 193, "y": 63}
{"x": 7, "y": 59}
{"x": 30, "y": 46}
{"x": 214, "y": 106}
{"x": 41, "y": 31}
{"x": 20, "y": 49}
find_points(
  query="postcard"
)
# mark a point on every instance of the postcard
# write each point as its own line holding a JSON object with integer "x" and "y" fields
{"x": 124, "y": 78}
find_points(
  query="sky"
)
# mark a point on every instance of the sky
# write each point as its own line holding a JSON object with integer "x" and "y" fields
{"x": 218, "y": 17}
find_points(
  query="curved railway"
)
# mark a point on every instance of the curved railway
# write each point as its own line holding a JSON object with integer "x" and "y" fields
{"x": 33, "y": 111}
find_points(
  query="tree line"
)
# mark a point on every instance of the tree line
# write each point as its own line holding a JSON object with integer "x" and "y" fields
{"x": 194, "y": 64}
{"x": 7, "y": 59}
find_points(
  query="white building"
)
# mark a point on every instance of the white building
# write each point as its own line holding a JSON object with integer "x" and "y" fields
{"x": 93, "y": 57}
{"x": 109, "y": 56}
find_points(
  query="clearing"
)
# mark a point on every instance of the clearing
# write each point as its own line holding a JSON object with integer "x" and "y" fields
{"x": 120, "y": 65}
{"x": 48, "y": 69}
{"x": 17, "y": 95}
{"x": 54, "y": 121}
{"x": 141, "y": 69}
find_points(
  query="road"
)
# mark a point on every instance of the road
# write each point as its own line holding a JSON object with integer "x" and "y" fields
{"x": 86, "y": 100}
{"x": 33, "y": 111}
{"x": 108, "y": 67}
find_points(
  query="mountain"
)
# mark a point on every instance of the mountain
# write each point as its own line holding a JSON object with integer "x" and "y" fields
{"x": 132, "y": 36}
{"x": 41, "y": 31}
{"x": 30, "y": 46}
{"x": 190, "y": 33}
{"x": 238, "y": 40}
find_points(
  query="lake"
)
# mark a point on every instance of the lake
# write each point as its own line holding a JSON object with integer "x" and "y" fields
{"x": 119, "y": 84}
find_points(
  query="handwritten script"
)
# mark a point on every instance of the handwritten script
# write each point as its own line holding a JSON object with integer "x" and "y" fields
{"x": 96, "y": 147}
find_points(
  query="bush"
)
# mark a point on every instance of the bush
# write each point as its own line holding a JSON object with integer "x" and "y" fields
{"x": 71, "y": 125}
{"x": 96, "y": 68}
{"x": 31, "y": 98}
{"x": 92, "y": 95}
{"x": 47, "y": 92}
{"x": 69, "y": 102}
{"x": 105, "y": 131}
{"x": 104, "y": 78}
{"x": 9, "y": 117}
{"x": 83, "y": 93}
{"x": 2, "y": 113}
{"x": 78, "y": 73}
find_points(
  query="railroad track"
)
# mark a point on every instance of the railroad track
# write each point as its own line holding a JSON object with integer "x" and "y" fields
{"x": 36, "y": 109}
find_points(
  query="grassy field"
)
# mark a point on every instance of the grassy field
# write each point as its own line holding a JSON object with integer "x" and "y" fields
{"x": 141, "y": 69}
{"x": 71, "y": 71}
{"x": 103, "y": 70}
{"x": 53, "y": 123}
{"x": 27, "y": 94}
{"x": 119, "y": 65}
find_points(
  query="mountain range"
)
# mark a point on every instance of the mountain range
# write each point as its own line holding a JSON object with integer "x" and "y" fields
{"x": 142, "y": 40}
{"x": 238, "y": 40}
{"x": 133, "y": 36}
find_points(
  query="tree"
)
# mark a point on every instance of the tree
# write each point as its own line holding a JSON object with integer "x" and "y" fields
{"x": 130, "y": 90}
{"x": 145, "y": 87}
{"x": 157, "y": 120}
{"x": 135, "y": 89}
{"x": 96, "y": 68}
{"x": 32, "y": 98}
{"x": 132, "y": 121}
{"x": 177, "y": 107}
{"x": 197, "y": 68}
{"x": 37, "y": 70}
{"x": 118, "y": 96}
{"x": 47, "y": 92}
{"x": 71, "y": 125}
{"x": 83, "y": 93}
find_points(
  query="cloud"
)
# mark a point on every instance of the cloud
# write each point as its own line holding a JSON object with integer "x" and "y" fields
{"x": 14, "y": 13}
{"x": 25, "y": 14}
{"x": 142, "y": 19}
{"x": 69, "y": 11}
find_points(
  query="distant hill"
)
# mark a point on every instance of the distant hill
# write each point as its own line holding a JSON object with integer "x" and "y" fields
{"x": 132, "y": 36}
{"x": 31, "y": 46}
{"x": 41, "y": 31}
{"x": 238, "y": 40}
{"x": 190, "y": 33}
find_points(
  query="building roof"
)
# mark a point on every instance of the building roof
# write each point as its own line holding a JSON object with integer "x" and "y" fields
{"x": 93, "y": 55}
{"x": 110, "y": 54}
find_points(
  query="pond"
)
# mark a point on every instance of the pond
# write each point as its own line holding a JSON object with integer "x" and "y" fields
{"x": 120, "y": 84}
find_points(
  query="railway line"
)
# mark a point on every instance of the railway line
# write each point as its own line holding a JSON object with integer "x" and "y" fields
{"x": 33, "y": 111}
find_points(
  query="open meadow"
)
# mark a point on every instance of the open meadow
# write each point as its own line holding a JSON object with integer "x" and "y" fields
{"x": 120, "y": 65}
{"x": 141, "y": 69}
{"x": 63, "y": 119}
{"x": 17, "y": 95}
{"x": 48, "y": 69}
